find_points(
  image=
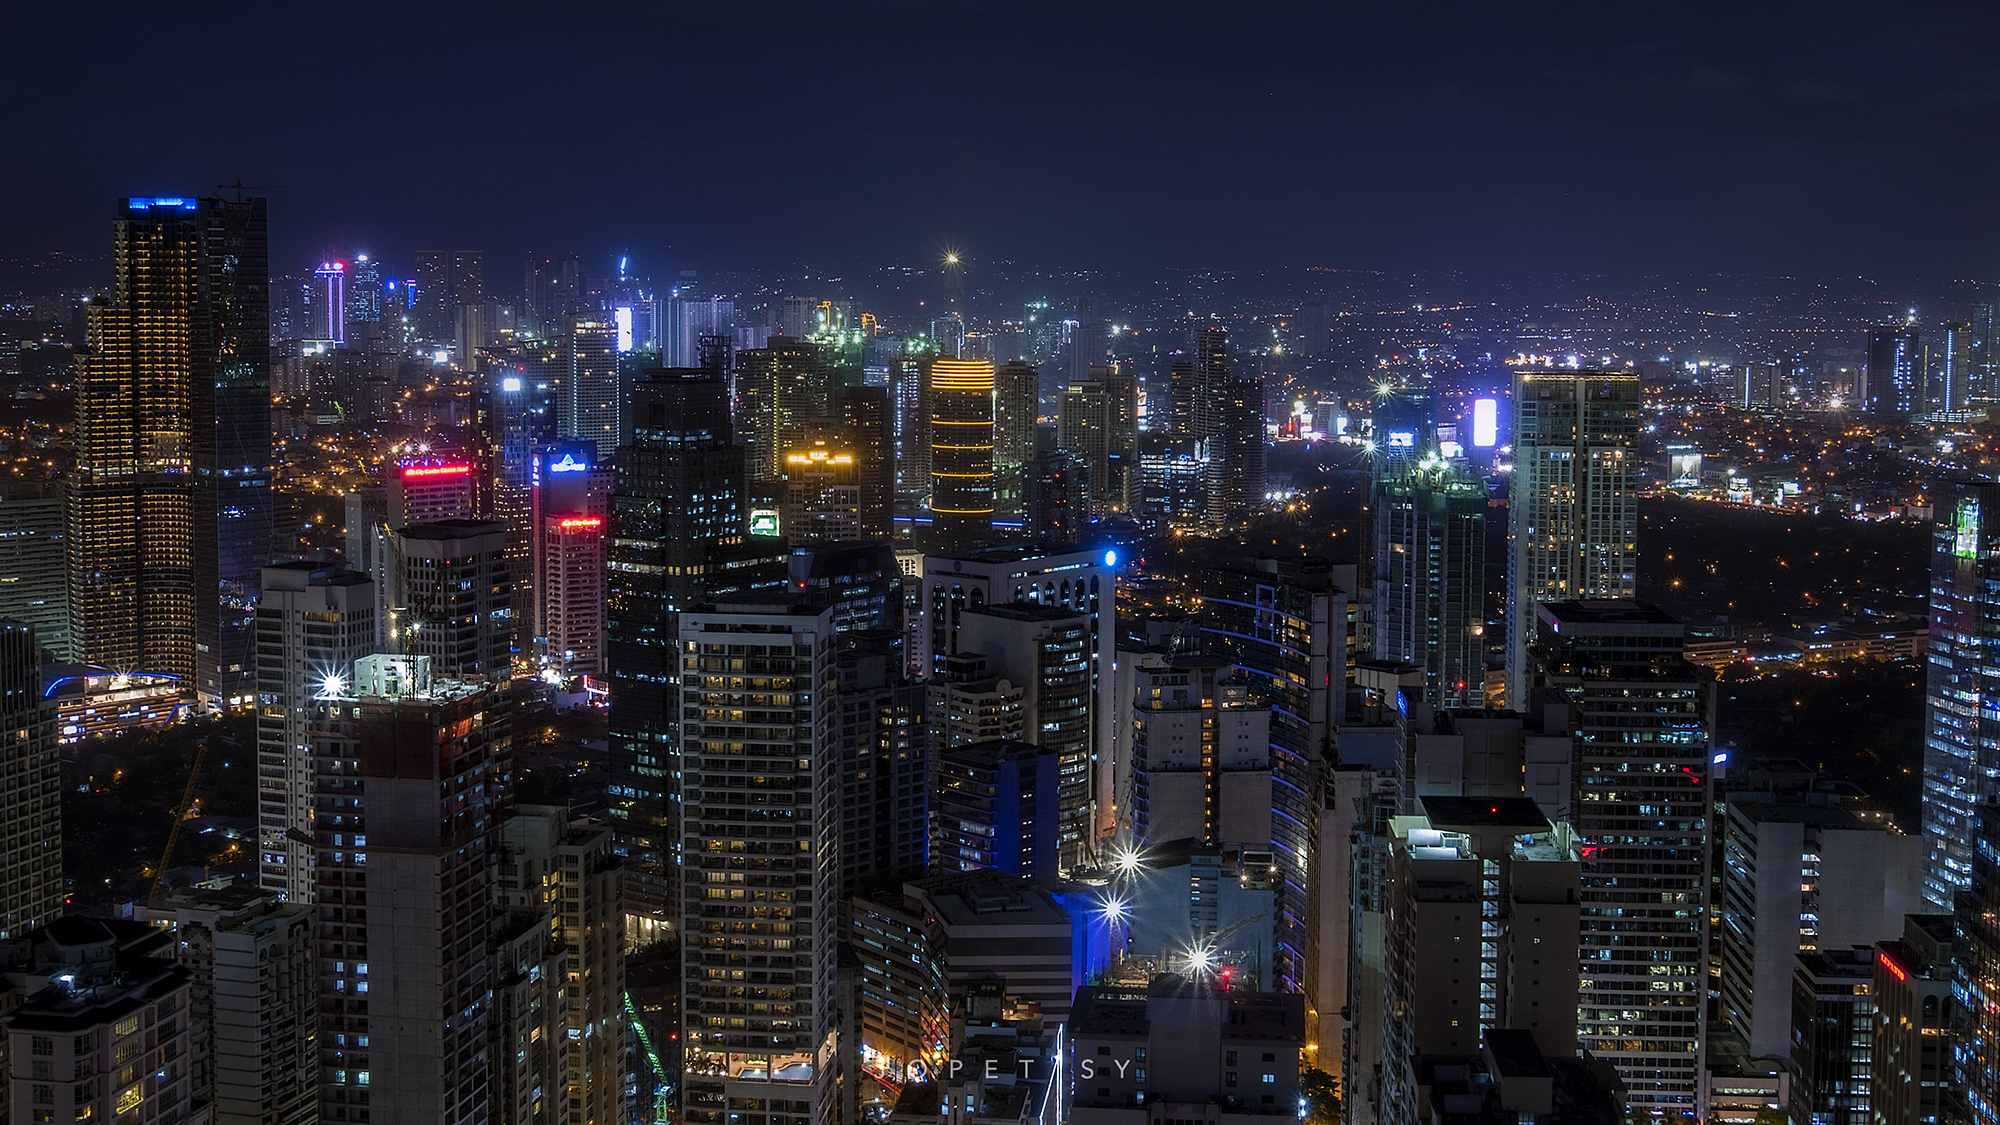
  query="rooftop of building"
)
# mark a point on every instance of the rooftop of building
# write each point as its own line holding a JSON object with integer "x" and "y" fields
{"x": 993, "y": 751}
{"x": 1607, "y": 611}
{"x": 1012, "y": 554}
{"x": 1120, "y": 1012}
{"x": 1857, "y": 962}
{"x": 306, "y": 572}
{"x": 1815, "y": 816}
{"x": 95, "y": 969}
{"x": 1462, "y": 814}
{"x": 987, "y": 897}
{"x": 1028, "y": 611}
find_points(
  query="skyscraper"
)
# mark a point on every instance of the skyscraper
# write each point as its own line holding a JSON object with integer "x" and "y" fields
{"x": 403, "y": 827}
{"x": 865, "y": 410}
{"x": 1961, "y": 726}
{"x": 676, "y": 508}
{"x": 31, "y": 885}
{"x": 1427, "y": 576}
{"x": 170, "y": 517}
{"x": 761, "y": 882}
{"x": 313, "y": 625}
{"x": 590, "y": 403}
{"x": 1017, "y": 389}
{"x": 960, "y": 399}
{"x": 1895, "y": 371}
{"x": 1098, "y": 421}
{"x": 447, "y": 281}
{"x": 1641, "y": 717}
{"x": 330, "y": 302}
{"x": 1047, "y": 649}
{"x": 778, "y": 387}
{"x": 34, "y": 558}
{"x": 451, "y": 592}
{"x": 1573, "y": 510}
{"x": 1087, "y": 344}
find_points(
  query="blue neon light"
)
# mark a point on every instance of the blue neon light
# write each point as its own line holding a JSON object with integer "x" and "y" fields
{"x": 568, "y": 465}
{"x": 147, "y": 203}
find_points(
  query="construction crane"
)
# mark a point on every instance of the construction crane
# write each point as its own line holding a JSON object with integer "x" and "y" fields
{"x": 180, "y": 814}
{"x": 239, "y": 187}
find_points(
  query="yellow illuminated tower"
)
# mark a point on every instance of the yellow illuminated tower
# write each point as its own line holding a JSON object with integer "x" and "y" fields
{"x": 961, "y": 409}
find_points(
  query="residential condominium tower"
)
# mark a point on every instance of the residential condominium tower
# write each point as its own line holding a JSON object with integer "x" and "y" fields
{"x": 1962, "y": 693}
{"x": 1574, "y": 505}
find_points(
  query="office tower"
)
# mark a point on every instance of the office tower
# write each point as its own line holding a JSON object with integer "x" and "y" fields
{"x": 1641, "y": 716}
{"x": 1832, "y": 1049}
{"x": 761, "y": 882}
{"x": 568, "y": 870}
{"x": 1288, "y": 627}
{"x": 908, "y": 385}
{"x": 997, "y": 804}
{"x": 252, "y": 1004}
{"x": 330, "y": 302}
{"x": 428, "y": 489}
{"x": 31, "y": 884}
{"x": 364, "y": 293}
{"x": 1098, "y": 422}
{"x": 1427, "y": 576}
{"x": 676, "y": 508}
{"x": 590, "y": 390}
{"x": 865, "y": 411}
{"x": 1895, "y": 371}
{"x": 1088, "y": 348}
{"x": 1982, "y": 356}
{"x": 404, "y": 803}
{"x": 169, "y": 503}
{"x": 778, "y": 387}
{"x": 884, "y": 749}
{"x": 1973, "y": 1086}
{"x": 1573, "y": 507}
{"x": 1959, "y": 725}
{"x": 515, "y": 424}
{"x": 1083, "y": 582}
{"x": 1047, "y": 650}
{"x": 569, "y": 591}
{"x": 1171, "y": 490}
{"x": 312, "y": 625}
{"x": 967, "y": 703}
{"x": 1201, "y": 756}
{"x": 1481, "y": 931}
{"x": 112, "y": 993}
{"x": 447, "y": 281}
{"x": 1913, "y": 1026}
{"x": 1055, "y": 500}
{"x": 1206, "y": 1046}
{"x": 1230, "y": 417}
{"x": 821, "y": 501}
{"x": 34, "y": 561}
{"x": 1948, "y": 371}
{"x": 795, "y": 317}
{"x": 992, "y": 924}
{"x": 1759, "y": 387}
{"x": 1798, "y": 878}
{"x": 688, "y": 319}
{"x": 959, "y": 396}
{"x": 451, "y": 597}
{"x": 901, "y": 1015}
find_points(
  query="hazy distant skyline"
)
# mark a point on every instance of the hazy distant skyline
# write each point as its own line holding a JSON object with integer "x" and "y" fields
{"x": 1580, "y": 138}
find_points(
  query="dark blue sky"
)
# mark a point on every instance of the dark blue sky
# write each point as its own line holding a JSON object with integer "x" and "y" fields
{"x": 1738, "y": 137}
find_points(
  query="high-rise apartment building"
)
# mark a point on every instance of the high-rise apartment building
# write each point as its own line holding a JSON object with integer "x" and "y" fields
{"x": 1641, "y": 716}
{"x": 451, "y": 596}
{"x": 108, "y": 1010}
{"x": 1573, "y": 508}
{"x": 1961, "y": 725}
{"x": 1055, "y": 500}
{"x": 865, "y": 411}
{"x": 968, "y": 704}
{"x": 1201, "y": 755}
{"x": 960, "y": 400}
{"x": 676, "y": 510}
{"x": 1427, "y": 576}
{"x": 34, "y": 561}
{"x": 253, "y": 1004}
{"x": 1047, "y": 650}
{"x": 762, "y": 879}
{"x": 169, "y": 501}
{"x": 404, "y": 806}
{"x": 568, "y": 871}
{"x": 997, "y": 805}
{"x": 1017, "y": 390}
{"x": 884, "y": 747}
{"x": 1098, "y": 421}
{"x": 570, "y": 592}
{"x": 312, "y": 625}
{"x": 1833, "y": 1036}
{"x": 31, "y": 884}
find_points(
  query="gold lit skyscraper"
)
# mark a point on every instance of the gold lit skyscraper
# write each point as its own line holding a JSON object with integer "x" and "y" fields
{"x": 169, "y": 512}
{"x": 961, "y": 408}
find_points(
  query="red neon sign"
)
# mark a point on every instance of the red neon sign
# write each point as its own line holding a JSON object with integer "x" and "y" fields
{"x": 582, "y": 521}
{"x": 436, "y": 471}
{"x": 1895, "y": 970}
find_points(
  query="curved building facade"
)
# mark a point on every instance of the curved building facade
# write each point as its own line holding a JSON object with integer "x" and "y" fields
{"x": 961, "y": 416}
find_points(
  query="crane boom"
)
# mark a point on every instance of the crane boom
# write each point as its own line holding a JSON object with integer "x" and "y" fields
{"x": 180, "y": 814}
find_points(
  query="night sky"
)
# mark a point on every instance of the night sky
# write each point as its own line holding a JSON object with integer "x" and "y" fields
{"x": 1599, "y": 138}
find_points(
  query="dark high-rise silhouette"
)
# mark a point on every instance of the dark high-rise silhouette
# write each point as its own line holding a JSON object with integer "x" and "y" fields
{"x": 170, "y": 511}
{"x": 961, "y": 424}
{"x": 1895, "y": 372}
